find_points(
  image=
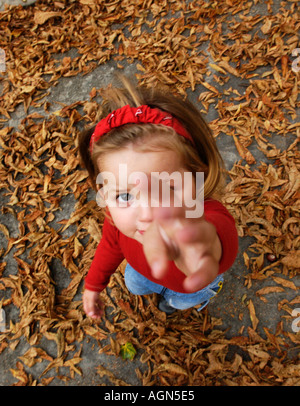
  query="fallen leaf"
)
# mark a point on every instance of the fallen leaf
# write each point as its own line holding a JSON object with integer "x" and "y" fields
{"x": 127, "y": 351}
{"x": 253, "y": 317}
{"x": 284, "y": 282}
{"x": 40, "y": 17}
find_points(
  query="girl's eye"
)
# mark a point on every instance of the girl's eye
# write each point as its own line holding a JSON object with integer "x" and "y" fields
{"x": 124, "y": 197}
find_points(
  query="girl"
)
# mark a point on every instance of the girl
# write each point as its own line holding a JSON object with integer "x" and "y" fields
{"x": 145, "y": 132}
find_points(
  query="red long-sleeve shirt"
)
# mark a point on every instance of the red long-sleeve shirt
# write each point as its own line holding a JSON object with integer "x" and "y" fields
{"x": 114, "y": 247}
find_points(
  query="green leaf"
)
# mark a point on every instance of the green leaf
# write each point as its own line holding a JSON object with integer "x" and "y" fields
{"x": 127, "y": 351}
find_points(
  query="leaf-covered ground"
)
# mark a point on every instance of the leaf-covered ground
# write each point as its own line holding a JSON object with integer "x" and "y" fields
{"x": 191, "y": 47}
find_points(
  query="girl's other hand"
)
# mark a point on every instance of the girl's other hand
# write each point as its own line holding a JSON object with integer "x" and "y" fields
{"x": 92, "y": 304}
{"x": 193, "y": 244}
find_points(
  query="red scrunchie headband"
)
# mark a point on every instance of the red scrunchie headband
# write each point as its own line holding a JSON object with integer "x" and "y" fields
{"x": 136, "y": 115}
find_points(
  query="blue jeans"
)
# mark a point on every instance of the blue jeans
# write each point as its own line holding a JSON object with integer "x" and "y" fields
{"x": 137, "y": 284}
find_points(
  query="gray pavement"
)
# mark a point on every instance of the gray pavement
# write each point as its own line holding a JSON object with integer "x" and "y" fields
{"x": 228, "y": 306}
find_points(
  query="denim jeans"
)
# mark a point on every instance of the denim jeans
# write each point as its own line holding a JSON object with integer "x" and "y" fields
{"x": 137, "y": 284}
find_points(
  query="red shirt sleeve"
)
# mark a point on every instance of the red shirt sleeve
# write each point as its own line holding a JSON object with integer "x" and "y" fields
{"x": 108, "y": 257}
{"x": 220, "y": 217}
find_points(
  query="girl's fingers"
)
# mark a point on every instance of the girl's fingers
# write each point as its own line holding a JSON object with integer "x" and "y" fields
{"x": 92, "y": 305}
{"x": 168, "y": 213}
{"x": 96, "y": 312}
{"x": 201, "y": 278}
{"x": 181, "y": 229}
{"x": 156, "y": 251}
{"x": 202, "y": 235}
{"x": 194, "y": 231}
{"x": 192, "y": 243}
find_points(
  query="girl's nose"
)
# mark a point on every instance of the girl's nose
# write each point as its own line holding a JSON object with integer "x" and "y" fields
{"x": 145, "y": 214}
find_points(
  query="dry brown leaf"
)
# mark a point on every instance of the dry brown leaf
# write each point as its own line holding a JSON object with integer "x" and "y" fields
{"x": 102, "y": 371}
{"x": 40, "y": 17}
{"x": 20, "y": 374}
{"x": 269, "y": 289}
{"x": 170, "y": 368}
{"x": 224, "y": 64}
{"x": 243, "y": 151}
{"x": 254, "y": 319}
{"x": 284, "y": 282}
{"x": 292, "y": 260}
{"x": 267, "y": 26}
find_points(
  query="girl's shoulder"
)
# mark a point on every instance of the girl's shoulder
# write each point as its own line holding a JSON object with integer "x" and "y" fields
{"x": 212, "y": 203}
{"x": 215, "y": 207}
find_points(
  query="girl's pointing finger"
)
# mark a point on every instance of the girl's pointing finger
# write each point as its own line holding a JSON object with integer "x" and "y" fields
{"x": 156, "y": 251}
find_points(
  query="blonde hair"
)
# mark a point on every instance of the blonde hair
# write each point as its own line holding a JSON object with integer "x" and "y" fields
{"x": 203, "y": 156}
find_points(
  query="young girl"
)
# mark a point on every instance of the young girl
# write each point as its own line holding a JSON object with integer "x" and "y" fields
{"x": 146, "y": 132}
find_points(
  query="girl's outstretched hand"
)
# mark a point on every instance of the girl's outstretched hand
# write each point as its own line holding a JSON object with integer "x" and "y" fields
{"x": 193, "y": 244}
{"x": 92, "y": 304}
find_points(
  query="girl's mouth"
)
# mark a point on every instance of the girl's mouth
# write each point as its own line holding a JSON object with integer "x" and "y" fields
{"x": 141, "y": 231}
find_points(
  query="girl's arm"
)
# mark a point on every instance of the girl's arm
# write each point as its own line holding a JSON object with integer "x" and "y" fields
{"x": 108, "y": 257}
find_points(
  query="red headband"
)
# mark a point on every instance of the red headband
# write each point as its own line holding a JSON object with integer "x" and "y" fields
{"x": 136, "y": 115}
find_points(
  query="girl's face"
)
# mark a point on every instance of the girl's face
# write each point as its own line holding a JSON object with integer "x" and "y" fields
{"x": 131, "y": 197}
